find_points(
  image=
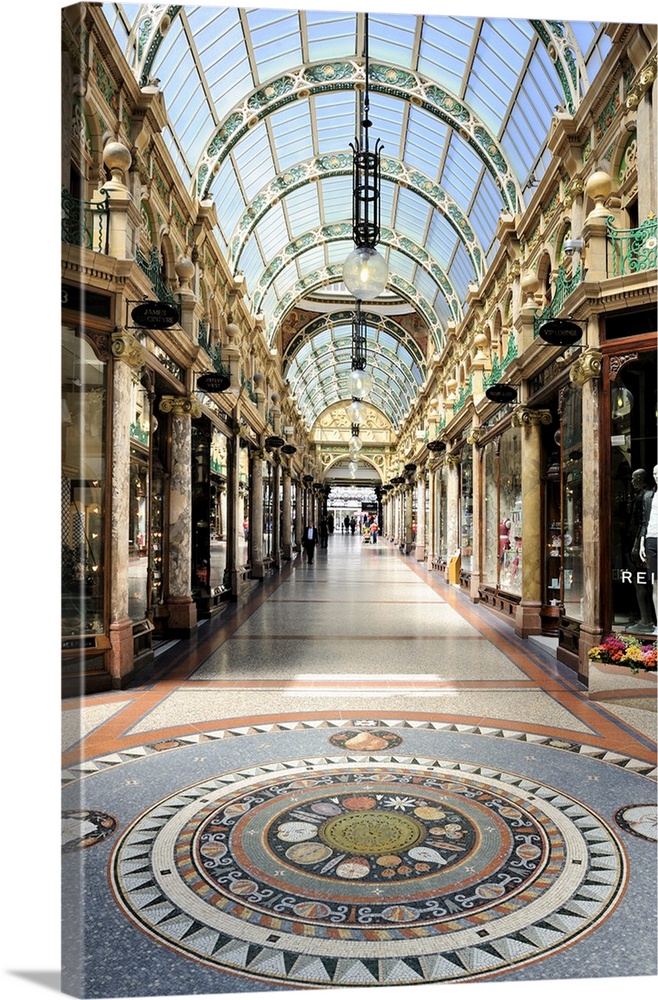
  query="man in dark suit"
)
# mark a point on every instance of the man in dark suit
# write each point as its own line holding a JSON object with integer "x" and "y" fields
{"x": 310, "y": 540}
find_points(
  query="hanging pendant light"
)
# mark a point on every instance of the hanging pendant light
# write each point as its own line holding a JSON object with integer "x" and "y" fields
{"x": 365, "y": 272}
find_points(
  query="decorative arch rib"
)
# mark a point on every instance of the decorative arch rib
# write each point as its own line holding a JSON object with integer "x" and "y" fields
{"x": 343, "y": 231}
{"x": 340, "y": 164}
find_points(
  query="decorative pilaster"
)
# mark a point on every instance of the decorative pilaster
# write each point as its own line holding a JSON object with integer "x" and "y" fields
{"x": 181, "y": 607}
{"x": 528, "y": 612}
{"x": 128, "y": 355}
{"x": 256, "y": 520}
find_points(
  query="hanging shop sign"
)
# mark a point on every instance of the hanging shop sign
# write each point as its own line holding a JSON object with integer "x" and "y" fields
{"x": 560, "y": 332}
{"x": 501, "y": 392}
{"x": 213, "y": 382}
{"x": 155, "y": 315}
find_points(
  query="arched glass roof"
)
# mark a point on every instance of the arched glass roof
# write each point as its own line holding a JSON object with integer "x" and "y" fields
{"x": 262, "y": 109}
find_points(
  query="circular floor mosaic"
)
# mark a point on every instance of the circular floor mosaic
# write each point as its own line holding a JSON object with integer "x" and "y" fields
{"x": 368, "y": 873}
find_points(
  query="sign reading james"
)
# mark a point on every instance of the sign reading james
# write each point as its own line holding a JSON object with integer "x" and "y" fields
{"x": 155, "y": 315}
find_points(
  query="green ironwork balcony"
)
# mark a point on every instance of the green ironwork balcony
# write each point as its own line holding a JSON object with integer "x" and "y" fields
{"x": 213, "y": 352}
{"x": 499, "y": 366}
{"x": 152, "y": 269}
{"x": 564, "y": 286}
{"x": 632, "y": 250}
{"x": 86, "y": 223}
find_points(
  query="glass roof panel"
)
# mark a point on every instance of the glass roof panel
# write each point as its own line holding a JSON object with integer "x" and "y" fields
{"x": 444, "y": 50}
{"x": 441, "y": 239}
{"x": 425, "y": 141}
{"x": 293, "y": 138}
{"x": 461, "y": 173}
{"x": 276, "y": 41}
{"x": 330, "y": 33}
{"x": 336, "y": 195}
{"x": 391, "y": 38}
{"x": 412, "y": 215}
{"x": 302, "y": 209}
{"x": 335, "y": 122}
{"x": 229, "y": 198}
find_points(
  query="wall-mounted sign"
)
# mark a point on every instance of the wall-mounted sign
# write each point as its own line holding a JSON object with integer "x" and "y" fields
{"x": 213, "y": 382}
{"x": 155, "y": 315}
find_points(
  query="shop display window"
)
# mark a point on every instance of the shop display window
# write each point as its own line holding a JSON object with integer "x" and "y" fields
{"x": 466, "y": 511}
{"x": 84, "y": 399}
{"x": 633, "y": 410}
{"x": 218, "y": 512}
{"x": 503, "y": 515}
{"x": 268, "y": 509}
{"x": 243, "y": 507}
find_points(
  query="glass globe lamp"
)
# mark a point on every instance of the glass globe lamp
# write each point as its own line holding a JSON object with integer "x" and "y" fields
{"x": 360, "y": 383}
{"x": 365, "y": 273}
{"x": 355, "y": 412}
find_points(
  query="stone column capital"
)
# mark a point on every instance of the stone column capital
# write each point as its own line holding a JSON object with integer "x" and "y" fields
{"x": 127, "y": 349}
{"x": 524, "y": 416}
{"x": 181, "y": 406}
{"x": 587, "y": 366}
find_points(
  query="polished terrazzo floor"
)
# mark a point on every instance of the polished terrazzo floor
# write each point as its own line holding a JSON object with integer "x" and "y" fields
{"x": 359, "y": 779}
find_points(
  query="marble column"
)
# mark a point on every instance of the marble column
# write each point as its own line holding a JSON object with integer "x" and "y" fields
{"x": 286, "y": 520}
{"x": 276, "y": 511}
{"x": 586, "y": 372}
{"x": 181, "y": 607}
{"x": 528, "y": 612}
{"x": 478, "y": 514}
{"x": 299, "y": 517}
{"x": 128, "y": 356}
{"x": 235, "y": 574}
{"x": 421, "y": 526}
{"x": 430, "y": 531}
{"x": 256, "y": 519}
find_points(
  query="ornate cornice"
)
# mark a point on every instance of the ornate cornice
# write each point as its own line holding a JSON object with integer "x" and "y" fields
{"x": 587, "y": 366}
{"x": 181, "y": 406}
{"x": 125, "y": 348}
{"x": 524, "y": 416}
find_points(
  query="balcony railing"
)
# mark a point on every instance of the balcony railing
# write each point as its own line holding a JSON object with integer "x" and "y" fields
{"x": 86, "y": 223}
{"x": 564, "y": 286}
{"x": 213, "y": 352}
{"x": 632, "y": 250}
{"x": 152, "y": 269}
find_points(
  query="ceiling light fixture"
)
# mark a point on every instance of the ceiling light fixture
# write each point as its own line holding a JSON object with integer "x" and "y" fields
{"x": 365, "y": 272}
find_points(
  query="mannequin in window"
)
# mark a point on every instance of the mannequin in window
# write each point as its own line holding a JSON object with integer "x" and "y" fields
{"x": 503, "y": 537}
{"x": 649, "y": 546}
{"x": 640, "y": 510}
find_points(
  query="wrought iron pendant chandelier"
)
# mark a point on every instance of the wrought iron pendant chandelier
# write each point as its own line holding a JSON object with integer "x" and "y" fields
{"x": 365, "y": 272}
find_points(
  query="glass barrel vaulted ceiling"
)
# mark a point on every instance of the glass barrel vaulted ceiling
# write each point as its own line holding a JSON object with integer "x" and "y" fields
{"x": 262, "y": 108}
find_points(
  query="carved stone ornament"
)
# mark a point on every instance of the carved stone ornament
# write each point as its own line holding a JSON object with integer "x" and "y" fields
{"x": 181, "y": 406}
{"x": 126, "y": 348}
{"x": 524, "y": 416}
{"x": 587, "y": 366}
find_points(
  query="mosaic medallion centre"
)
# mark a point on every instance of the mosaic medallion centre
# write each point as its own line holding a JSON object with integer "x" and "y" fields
{"x": 372, "y": 832}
